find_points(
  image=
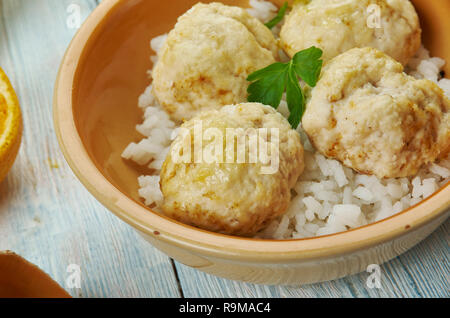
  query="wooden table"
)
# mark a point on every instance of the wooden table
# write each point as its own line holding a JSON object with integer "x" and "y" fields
{"x": 48, "y": 217}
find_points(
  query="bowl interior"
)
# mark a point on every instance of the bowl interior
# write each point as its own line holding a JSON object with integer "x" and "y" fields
{"x": 111, "y": 75}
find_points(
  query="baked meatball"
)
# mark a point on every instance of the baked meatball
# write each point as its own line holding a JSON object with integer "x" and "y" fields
{"x": 336, "y": 26}
{"x": 207, "y": 57}
{"x": 232, "y": 198}
{"x": 376, "y": 119}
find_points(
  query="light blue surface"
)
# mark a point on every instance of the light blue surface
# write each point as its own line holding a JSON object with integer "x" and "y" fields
{"x": 48, "y": 217}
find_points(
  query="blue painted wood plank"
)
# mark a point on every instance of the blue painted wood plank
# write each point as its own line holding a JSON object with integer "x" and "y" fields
{"x": 46, "y": 215}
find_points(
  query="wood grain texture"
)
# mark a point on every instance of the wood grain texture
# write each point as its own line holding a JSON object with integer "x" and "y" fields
{"x": 48, "y": 217}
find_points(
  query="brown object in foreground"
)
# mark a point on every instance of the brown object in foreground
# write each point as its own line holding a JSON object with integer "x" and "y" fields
{"x": 21, "y": 279}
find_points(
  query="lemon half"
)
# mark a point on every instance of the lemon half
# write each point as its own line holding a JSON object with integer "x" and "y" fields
{"x": 10, "y": 125}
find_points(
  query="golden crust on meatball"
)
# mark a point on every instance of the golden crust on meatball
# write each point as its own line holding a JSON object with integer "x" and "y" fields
{"x": 376, "y": 119}
{"x": 207, "y": 57}
{"x": 232, "y": 198}
{"x": 336, "y": 26}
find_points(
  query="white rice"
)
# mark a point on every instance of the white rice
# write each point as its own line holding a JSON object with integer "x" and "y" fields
{"x": 262, "y": 10}
{"x": 157, "y": 129}
{"x": 329, "y": 197}
{"x": 424, "y": 66}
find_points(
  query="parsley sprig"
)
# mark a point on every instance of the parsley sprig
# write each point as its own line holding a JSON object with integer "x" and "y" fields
{"x": 279, "y": 17}
{"x": 269, "y": 83}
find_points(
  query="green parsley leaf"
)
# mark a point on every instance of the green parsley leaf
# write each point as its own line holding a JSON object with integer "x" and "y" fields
{"x": 269, "y": 83}
{"x": 279, "y": 16}
{"x": 295, "y": 99}
{"x": 269, "y": 86}
{"x": 308, "y": 65}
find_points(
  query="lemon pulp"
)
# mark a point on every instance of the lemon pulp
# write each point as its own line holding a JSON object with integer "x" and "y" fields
{"x": 10, "y": 125}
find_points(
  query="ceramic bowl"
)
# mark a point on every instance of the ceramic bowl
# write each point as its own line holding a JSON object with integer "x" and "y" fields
{"x": 21, "y": 279}
{"x": 95, "y": 113}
